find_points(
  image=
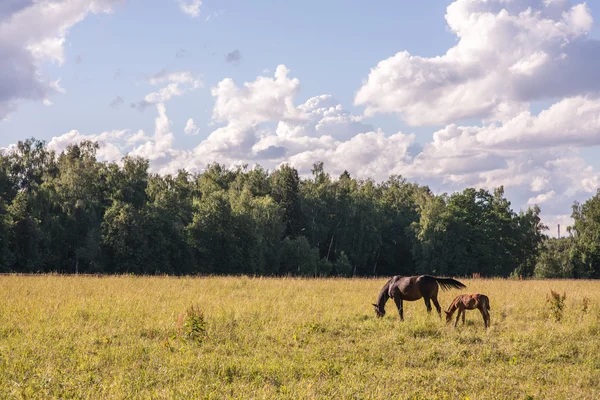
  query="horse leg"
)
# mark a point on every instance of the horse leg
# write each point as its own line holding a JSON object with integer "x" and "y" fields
{"x": 437, "y": 306}
{"x": 427, "y": 304}
{"x": 464, "y": 314}
{"x": 398, "y": 302}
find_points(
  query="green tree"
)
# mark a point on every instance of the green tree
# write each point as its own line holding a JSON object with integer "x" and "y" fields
{"x": 78, "y": 190}
{"x": 342, "y": 266}
{"x": 586, "y": 229}
{"x": 211, "y": 235}
{"x": 399, "y": 210}
{"x": 298, "y": 258}
{"x": 528, "y": 242}
{"x": 285, "y": 190}
{"x": 124, "y": 240}
{"x": 555, "y": 260}
{"x": 430, "y": 237}
{"x": 24, "y": 237}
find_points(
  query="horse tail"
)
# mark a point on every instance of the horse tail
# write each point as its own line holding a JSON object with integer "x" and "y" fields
{"x": 449, "y": 283}
{"x": 487, "y": 303}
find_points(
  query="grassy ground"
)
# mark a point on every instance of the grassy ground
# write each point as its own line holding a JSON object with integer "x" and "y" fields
{"x": 130, "y": 337}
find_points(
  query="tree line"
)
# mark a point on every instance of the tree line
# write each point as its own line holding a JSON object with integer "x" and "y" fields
{"x": 70, "y": 213}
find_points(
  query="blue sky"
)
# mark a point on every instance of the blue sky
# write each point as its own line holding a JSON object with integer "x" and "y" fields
{"x": 330, "y": 46}
{"x": 514, "y": 102}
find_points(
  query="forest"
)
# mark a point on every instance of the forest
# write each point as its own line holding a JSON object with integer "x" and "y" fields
{"x": 70, "y": 213}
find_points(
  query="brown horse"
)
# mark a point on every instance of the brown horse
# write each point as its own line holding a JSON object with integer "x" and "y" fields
{"x": 469, "y": 302}
{"x": 411, "y": 288}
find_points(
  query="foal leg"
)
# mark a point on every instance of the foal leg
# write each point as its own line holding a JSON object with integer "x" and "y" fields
{"x": 485, "y": 320}
{"x": 487, "y": 315}
{"x": 398, "y": 302}
{"x": 437, "y": 306}
{"x": 464, "y": 313}
{"x": 460, "y": 311}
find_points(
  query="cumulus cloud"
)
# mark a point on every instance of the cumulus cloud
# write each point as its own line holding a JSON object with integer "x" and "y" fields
{"x": 192, "y": 8}
{"x": 177, "y": 84}
{"x": 158, "y": 149}
{"x": 260, "y": 123}
{"x": 191, "y": 128}
{"x": 508, "y": 54}
{"x": 250, "y": 112}
{"x": 174, "y": 77}
{"x": 160, "y": 145}
{"x": 542, "y": 198}
{"x": 113, "y": 144}
{"x": 31, "y": 33}
{"x": 265, "y": 99}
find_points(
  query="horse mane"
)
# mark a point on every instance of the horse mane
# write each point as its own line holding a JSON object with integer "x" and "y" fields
{"x": 453, "y": 304}
{"x": 383, "y": 297}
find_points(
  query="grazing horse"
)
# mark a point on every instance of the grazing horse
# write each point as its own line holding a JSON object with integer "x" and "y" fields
{"x": 411, "y": 288}
{"x": 469, "y": 302}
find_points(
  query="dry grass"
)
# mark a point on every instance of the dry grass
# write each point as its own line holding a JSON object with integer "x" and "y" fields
{"x": 117, "y": 337}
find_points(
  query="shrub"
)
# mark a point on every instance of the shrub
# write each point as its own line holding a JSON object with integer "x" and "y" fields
{"x": 557, "y": 304}
{"x": 191, "y": 325}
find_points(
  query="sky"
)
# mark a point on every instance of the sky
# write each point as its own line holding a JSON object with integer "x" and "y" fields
{"x": 451, "y": 94}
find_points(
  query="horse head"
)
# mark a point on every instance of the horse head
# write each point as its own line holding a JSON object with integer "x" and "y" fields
{"x": 380, "y": 313}
{"x": 448, "y": 316}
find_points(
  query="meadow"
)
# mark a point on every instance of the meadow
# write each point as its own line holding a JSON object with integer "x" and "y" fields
{"x": 241, "y": 337}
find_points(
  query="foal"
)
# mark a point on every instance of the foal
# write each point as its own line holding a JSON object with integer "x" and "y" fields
{"x": 469, "y": 302}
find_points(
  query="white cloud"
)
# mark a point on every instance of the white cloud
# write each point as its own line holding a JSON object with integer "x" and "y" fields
{"x": 542, "y": 198}
{"x": 160, "y": 145}
{"x": 113, "y": 144}
{"x": 265, "y": 99}
{"x": 159, "y": 148}
{"x": 366, "y": 155}
{"x": 509, "y": 53}
{"x": 32, "y": 33}
{"x": 174, "y": 77}
{"x": 539, "y": 183}
{"x": 178, "y": 84}
{"x": 322, "y": 115}
{"x": 165, "y": 94}
{"x": 192, "y": 9}
{"x": 191, "y": 128}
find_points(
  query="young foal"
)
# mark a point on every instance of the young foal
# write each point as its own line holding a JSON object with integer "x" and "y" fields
{"x": 469, "y": 302}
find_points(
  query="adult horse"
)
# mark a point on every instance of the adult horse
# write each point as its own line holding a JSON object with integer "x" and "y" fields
{"x": 411, "y": 288}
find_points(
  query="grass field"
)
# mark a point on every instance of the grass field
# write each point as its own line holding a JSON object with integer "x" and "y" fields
{"x": 132, "y": 337}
